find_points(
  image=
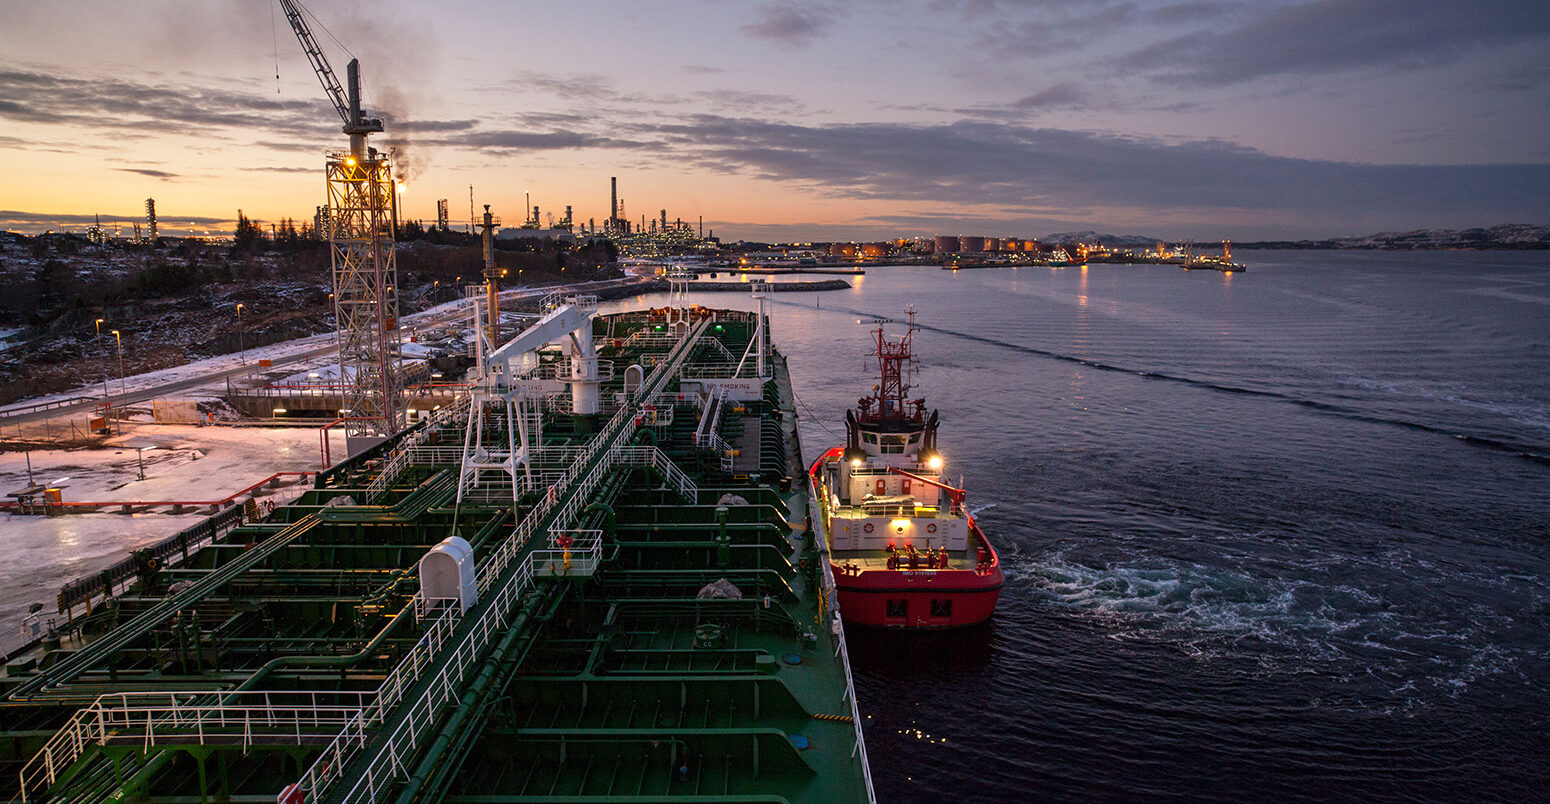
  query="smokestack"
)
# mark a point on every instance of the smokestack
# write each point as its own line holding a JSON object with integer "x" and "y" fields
{"x": 613, "y": 199}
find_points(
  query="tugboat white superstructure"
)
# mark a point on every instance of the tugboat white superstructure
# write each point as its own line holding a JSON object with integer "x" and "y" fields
{"x": 904, "y": 550}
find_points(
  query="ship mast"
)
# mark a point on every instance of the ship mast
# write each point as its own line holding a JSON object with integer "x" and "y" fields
{"x": 895, "y": 362}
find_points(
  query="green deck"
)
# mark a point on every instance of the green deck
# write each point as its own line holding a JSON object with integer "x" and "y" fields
{"x": 606, "y": 683}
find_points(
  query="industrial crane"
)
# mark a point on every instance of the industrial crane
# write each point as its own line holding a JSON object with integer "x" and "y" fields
{"x": 348, "y": 105}
{"x": 362, "y": 210}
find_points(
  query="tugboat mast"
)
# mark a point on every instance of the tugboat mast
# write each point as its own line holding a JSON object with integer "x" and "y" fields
{"x": 896, "y": 362}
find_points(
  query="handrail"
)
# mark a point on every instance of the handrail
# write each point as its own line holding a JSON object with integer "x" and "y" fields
{"x": 78, "y": 662}
{"x": 816, "y": 525}
{"x": 22, "y": 410}
{"x": 254, "y": 718}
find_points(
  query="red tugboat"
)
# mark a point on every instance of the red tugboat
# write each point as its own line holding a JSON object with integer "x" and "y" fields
{"x": 904, "y": 550}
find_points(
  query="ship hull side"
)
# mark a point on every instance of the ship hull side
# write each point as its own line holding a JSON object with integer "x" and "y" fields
{"x": 918, "y": 599}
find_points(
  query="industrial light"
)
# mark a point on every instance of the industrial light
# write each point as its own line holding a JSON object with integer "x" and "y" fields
{"x": 935, "y": 462}
{"x": 855, "y": 461}
{"x": 278, "y": 411}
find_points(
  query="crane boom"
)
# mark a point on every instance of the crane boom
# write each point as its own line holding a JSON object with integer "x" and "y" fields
{"x": 347, "y": 104}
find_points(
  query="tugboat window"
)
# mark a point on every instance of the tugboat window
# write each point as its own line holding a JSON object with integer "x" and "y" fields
{"x": 941, "y": 608}
{"x": 898, "y": 608}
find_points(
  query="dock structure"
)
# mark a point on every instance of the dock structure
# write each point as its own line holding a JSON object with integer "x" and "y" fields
{"x": 645, "y": 615}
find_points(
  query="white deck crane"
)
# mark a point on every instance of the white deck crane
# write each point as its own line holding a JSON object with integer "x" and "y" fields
{"x": 362, "y": 208}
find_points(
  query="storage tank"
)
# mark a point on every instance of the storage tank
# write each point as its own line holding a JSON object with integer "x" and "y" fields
{"x": 992, "y": 244}
{"x": 971, "y": 244}
{"x": 946, "y": 244}
{"x": 874, "y": 250}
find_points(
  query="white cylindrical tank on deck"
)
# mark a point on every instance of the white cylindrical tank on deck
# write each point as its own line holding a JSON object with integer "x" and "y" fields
{"x": 447, "y": 572}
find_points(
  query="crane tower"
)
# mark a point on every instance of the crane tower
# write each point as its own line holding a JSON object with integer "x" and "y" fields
{"x": 361, "y": 209}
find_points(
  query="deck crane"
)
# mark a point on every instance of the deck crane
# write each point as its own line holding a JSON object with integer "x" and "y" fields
{"x": 348, "y": 105}
{"x": 362, "y": 209}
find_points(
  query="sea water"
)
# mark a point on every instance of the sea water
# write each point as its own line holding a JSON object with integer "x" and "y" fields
{"x": 1276, "y": 534}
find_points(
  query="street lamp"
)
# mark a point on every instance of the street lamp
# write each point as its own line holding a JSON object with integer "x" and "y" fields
{"x": 119, "y": 339}
{"x": 140, "y": 450}
{"x": 240, "y": 343}
{"x": 104, "y": 360}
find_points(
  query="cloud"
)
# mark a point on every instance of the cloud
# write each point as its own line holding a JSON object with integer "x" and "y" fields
{"x": 18, "y": 219}
{"x": 790, "y": 22}
{"x": 109, "y": 103}
{"x": 701, "y": 69}
{"x": 501, "y": 140}
{"x": 1032, "y": 172}
{"x": 1059, "y": 95}
{"x": 750, "y": 101}
{"x": 155, "y": 174}
{"x": 1334, "y": 36}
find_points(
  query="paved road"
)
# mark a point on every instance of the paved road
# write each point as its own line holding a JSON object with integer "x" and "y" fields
{"x": 217, "y": 374}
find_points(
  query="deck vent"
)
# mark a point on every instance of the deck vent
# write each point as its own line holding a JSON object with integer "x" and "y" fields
{"x": 447, "y": 573}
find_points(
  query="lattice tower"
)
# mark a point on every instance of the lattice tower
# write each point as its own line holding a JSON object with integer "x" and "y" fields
{"x": 360, "y": 213}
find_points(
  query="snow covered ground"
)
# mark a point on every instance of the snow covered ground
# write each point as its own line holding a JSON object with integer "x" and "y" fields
{"x": 190, "y": 463}
{"x": 273, "y": 352}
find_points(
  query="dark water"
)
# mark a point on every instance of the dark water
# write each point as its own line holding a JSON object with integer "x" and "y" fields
{"x": 1281, "y": 534}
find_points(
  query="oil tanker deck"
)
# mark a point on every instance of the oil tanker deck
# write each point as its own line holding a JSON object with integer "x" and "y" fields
{"x": 509, "y": 601}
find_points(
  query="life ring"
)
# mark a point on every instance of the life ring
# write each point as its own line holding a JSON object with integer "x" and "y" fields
{"x": 931, "y": 527}
{"x": 867, "y": 527}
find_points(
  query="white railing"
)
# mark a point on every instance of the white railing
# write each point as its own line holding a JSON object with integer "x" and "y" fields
{"x": 645, "y": 339}
{"x": 391, "y": 762}
{"x": 657, "y": 459}
{"x": 710, "y": 414}
{"x": 401, "y": 457}
{"x": 709, "y": 370}
{"x": 580, "y": 556}
{"x": 815, "y": 524}
{"x": 436, "y": 455}
{"x": 351, "y": 738}
{"x": 149, "y": 719}
{"x": 559, "y": 508}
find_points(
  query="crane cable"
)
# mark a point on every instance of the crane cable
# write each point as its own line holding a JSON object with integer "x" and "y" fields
{"x": 364, "y": 89}
{"x": 274, "y": 34}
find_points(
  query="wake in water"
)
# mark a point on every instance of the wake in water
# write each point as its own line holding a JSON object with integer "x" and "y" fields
{"x": 1523, "y": 451}
{"x": 1382, "y": 644}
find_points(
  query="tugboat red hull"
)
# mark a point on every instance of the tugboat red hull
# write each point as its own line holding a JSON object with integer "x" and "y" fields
{"x": 919, "y": 599}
